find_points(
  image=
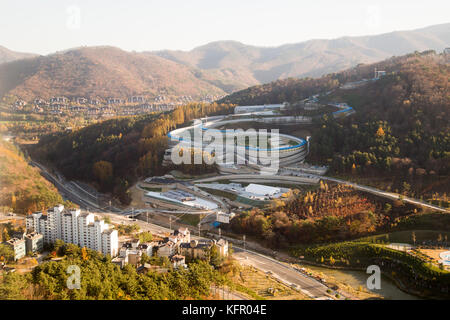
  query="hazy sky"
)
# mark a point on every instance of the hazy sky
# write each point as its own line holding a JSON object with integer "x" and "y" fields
{"x": 45, "y": 26}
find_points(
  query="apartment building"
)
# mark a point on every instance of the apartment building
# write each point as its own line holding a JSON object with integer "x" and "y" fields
{"x": 75, "y": 227}
{"x": 70, "y": 226}
{"x": 34, "y": 242}
{"x": 110, "y": 242}
{"x": 18, "y": 246}
{"x": 84, "y": 220}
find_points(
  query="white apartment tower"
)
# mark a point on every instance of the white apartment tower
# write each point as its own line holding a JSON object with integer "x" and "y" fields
{"x": 110, "y": 242}
{"x": 75, "y": 227}
{"x": 94, "y": 230}
{"x": 70, "y": 226}
{"x": 83, "y": 221}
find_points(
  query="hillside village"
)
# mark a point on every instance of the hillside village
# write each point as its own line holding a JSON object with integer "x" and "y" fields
{"x": 104, "y": 108}
{"x": 45, "y": 231}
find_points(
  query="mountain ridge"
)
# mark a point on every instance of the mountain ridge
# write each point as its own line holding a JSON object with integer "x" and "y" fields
{"x": 8, "y": 55}
{"x": 314, "y": 57}
{"x": 216, "y": 68}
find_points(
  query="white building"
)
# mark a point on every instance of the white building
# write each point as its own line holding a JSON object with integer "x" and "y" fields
{"x": 70, "y": 226}
{"x": 258, "y": 108}
{"x": 261, "y": 190}
{"x": 18, "y": 246}
{"x": 75, "y": 227}
{"x": 224, "y": 217}
{"x": 110, "y": 242}
{"x": 167, "y": 249}
{"x": 83, "y": 221}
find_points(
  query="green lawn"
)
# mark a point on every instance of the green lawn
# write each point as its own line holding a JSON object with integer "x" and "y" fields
{"x": 220, "y": 193}
{"x": 406, "y": 236}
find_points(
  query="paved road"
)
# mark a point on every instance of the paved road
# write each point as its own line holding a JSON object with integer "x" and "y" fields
{"x": 308, "y": 286}
{"x": 389, "y": 195}
{"x": 73, "y": 191}
{"x": 263, "y": 178}
{"x": 285, "y": 273}
{"x": 302, "y": 180}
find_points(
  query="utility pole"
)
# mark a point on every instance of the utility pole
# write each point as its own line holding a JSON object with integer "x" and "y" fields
{"x": 199, "y": 226}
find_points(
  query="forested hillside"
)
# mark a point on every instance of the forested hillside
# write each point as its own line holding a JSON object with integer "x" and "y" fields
{"x": 238, "y": 65}
{"x": 103, "y": 280}
{"x": 400, "y": 129}
{"x": 7, "y": 55}
{"x": 22, "y": 188}
{"x": 100, "y": 72}
{"x": 114, "y": 153}
{"x": 327, "y": 214}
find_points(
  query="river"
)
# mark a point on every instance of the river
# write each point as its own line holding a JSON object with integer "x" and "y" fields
{"x": 356, "y": 279}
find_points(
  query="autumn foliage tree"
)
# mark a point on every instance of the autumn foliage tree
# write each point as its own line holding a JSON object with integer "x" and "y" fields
{"x": 116, "y": 152}
{"x": 103, "y": 172}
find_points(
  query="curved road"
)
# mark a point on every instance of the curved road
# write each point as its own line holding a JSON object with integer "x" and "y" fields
{"x": 389, "y": 195}
{"x": 308, "y": 179}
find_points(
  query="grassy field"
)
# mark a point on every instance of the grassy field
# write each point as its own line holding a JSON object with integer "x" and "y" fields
{"x": 191, "y": 219}
{"x": 151, "y": 189}
{"x": 407, "y": 236}
{"x": 220, "y": 193}
{"x": 264, "y": 286}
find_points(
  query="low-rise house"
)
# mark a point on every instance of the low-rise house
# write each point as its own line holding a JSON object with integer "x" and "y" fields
{"x": 136, "y": 99}
{"x": 148, "y": 248}
{"x": 196, "y": 249}
{"x": 94, "y": 102}
{"x": 124, "y": 251}
{"x": 58, "y": 100}
{"x": 201, "y": 249}
{"x": 80, "y": 100}
{"x": 134, "y": 257}
{"x": 222, "y": 246}
{"x": 178, "y": 261}
{"x": 173, "y": 238}
{"x": 20, "y": 103}
{"x": 183, "y": 234}
{"x": 148, "y": 267}
{"x": 120, "y": 261}
{"x": 167, "y": 249}
{"x": 135, "y": 243}
{"x": 114, "y": 101}
{"x": 131, "y": 252}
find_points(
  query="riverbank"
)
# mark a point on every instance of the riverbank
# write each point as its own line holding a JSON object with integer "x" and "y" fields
{"x": 409, "y": 273}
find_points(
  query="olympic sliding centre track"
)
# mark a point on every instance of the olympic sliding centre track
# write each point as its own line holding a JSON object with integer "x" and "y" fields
{"x": 279, "y": 149}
